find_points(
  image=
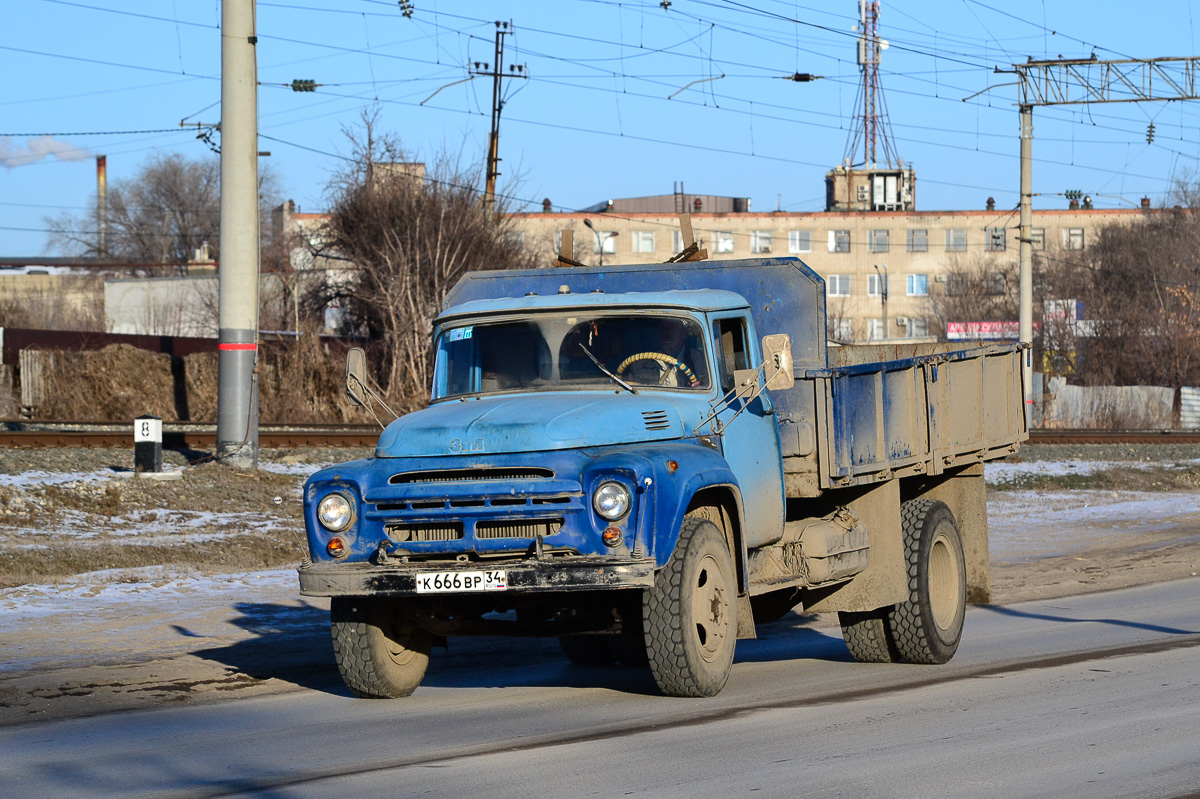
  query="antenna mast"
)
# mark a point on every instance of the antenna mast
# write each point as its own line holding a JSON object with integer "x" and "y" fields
{"x": 872, "y": 128}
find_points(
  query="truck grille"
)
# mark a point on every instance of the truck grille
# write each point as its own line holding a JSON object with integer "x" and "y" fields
{"x": 464, "y": 475}
{"x": 524, "y": 528}
{"x": 424, "y": 532}
{"x": 656, "y": 420}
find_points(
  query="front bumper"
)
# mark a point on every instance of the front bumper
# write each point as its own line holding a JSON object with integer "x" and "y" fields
{"x": 582, "y": 573}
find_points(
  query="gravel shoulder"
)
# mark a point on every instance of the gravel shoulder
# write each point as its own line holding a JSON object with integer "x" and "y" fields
{"x": 144, "y": 636}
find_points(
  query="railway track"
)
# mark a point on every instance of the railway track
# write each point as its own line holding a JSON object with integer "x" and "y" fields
{"x": 186, "y": 435}
{"x": 180, "y": 435}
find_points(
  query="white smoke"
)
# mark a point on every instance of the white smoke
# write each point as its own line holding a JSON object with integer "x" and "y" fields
{"x": 36, "y": 149}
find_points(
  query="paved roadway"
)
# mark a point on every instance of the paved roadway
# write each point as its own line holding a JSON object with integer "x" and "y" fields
{"x": 1091, "y": 696}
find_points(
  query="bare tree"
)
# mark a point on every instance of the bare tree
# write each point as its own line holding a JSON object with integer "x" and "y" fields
{"x": 1139, "y": 287}
{"x": 163, "y": 214}
{"x": 977, "y": 289}
{"x": 408, "y": 236}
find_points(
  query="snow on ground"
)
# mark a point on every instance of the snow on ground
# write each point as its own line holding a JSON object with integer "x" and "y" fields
{"x": 998, "y": 472}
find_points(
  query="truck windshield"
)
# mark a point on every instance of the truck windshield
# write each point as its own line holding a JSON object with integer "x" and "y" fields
{"x": 551, "y": 351}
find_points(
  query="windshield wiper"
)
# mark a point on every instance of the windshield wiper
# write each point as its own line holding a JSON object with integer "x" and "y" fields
{"x": 603, "y": 369}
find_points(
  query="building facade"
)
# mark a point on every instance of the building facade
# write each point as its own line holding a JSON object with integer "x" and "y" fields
{"x": 913, "y": 255}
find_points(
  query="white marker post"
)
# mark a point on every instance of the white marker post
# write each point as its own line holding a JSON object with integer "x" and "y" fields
{"x": 147, "y": 444}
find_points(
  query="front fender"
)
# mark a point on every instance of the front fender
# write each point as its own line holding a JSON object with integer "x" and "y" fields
{"x": 670, "y": 490}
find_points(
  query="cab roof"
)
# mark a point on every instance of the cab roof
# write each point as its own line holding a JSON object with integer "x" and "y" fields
{"x": 701, "y": 300}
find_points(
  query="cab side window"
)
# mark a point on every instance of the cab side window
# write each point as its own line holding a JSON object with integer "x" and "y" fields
{"x": 731, "y": 349}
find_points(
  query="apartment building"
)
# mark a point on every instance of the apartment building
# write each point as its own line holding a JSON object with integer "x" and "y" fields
{"x": 858, "y": 253}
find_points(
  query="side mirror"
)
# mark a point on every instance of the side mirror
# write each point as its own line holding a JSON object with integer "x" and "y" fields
{"x": 777, "y": 359}
{"x": 356, "y": 376}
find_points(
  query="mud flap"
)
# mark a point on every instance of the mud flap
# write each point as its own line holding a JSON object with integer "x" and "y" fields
{"x": 745, "y": 618}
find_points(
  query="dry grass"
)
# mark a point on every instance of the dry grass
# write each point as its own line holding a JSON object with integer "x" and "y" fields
{"x": 299, "y": 382}
{"x": 1157, "y": 478}
{"x": 50, "y": 533}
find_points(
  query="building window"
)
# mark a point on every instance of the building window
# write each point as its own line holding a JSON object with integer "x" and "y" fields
{"x": 840, "y": 330}
{"x": 837, "y": 285}
{"x": 1073, "y": 238}
{"x": 995, "y": 283}
{"x": 643, "y": 241}
{"x": 606, "y": 239}
{"x": 995, "y": 238}
{"x": 877, "y": 241}
{"x": 839, "y": 241}
{"x": 724, "y": 241}
{"x": 760, "y": 241}
{"x": 558, "y": 243}
{"x": 875, "y": 329}
{"x": 918, "y": 327}
{"x": 956, "y": 239}
{"x": 916, "y": 285}
{"x": 799, "y": 241}
{"x": 874, "y": 285}
{"x": 677, "y": 241}
{"x": 917, "y": 240}
{"x": 1037, "y": 237}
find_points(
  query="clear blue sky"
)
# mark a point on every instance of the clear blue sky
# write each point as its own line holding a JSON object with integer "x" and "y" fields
{"x": 593, "y": 120}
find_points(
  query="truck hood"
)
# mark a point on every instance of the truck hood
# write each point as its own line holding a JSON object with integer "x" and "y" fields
{"x": 530, "y": 423}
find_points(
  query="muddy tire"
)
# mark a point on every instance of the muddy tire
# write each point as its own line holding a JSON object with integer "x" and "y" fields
{"x": 380, "y": 655}
{"x": 867, "y": 636}
{"x": 587, "y": 650}
{"x": 926, "y": 627}
{"x": 690, "y": 615}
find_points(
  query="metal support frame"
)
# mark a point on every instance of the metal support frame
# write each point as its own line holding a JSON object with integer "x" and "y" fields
{"x": 1081, "y": 81}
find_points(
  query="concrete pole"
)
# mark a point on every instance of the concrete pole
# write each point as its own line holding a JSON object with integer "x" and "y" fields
{"x": 1026, "y": 247}
{"x": 237, "y": 389}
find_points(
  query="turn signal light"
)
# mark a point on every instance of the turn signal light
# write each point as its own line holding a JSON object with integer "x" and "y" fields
{"x": 611, "y": 537}
{"x": 336, "y": 547}
{"x": 672, "y": 467}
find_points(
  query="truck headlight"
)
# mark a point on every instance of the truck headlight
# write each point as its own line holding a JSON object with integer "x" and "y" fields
{"x": 611, "y": 500}
{"x": 335, "y": 513}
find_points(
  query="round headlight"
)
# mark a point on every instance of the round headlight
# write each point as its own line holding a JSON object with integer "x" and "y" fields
{"x": 611, "y": 500}
{"x": 335, "y": 513}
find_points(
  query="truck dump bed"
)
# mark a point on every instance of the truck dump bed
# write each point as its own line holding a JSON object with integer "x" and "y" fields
{"x": 895, "y": 410}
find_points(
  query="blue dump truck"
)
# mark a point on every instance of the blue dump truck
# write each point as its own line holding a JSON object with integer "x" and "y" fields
{"x": 646, "y": 461}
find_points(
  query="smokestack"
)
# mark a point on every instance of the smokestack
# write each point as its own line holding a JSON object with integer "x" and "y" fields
{"x": 102, "y": 203}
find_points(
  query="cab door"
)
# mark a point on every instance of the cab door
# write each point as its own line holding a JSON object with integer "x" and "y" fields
{"x": 750, "y": 442}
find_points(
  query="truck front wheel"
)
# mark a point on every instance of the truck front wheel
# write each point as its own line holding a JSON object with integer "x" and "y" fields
{"x": 926, "y": 627}
{"x": 380, "y": 654}
{"x": 690, "y": 615}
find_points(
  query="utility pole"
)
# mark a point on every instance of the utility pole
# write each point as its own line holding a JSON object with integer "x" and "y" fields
{"x": 495, "y": 71}
{"x": 102, "y": 205}
{"x": 1082, "y": 81}
{"x": 237, "y": 347}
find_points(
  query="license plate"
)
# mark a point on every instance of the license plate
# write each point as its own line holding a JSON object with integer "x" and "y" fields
{"x": 443, "y": 582}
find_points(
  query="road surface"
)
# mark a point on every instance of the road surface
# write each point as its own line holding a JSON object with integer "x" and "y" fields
{"x": 1095, "y": 695}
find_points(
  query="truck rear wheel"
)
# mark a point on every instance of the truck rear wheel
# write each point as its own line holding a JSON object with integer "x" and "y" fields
{"x": 690, "y": 615}
{"x": 926, "y": 627}
{"x": 380, "y": 655}
{"x": 866, "y": 636}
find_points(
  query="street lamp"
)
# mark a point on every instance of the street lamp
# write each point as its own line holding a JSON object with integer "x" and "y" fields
{"x": 883, "y": 291}
{"x": 600, "y": 239}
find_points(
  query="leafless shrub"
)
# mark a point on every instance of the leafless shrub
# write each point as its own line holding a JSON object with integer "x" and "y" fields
{"x": 409, "y": 238}
{"x": 118, "y": 382}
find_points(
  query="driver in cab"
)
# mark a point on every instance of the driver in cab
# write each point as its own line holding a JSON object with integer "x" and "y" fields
{"x": 671, "y": 360}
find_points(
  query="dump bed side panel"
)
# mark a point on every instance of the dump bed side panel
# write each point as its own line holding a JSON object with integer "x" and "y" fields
{"x": 918, "y": 415}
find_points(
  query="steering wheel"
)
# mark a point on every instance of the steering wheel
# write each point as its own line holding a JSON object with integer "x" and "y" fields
{"x": 665, "y": 359}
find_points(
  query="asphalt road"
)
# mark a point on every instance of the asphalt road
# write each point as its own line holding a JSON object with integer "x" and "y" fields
{"x": 1090, "y": 696}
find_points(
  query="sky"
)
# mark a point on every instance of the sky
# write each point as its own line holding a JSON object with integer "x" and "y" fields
{"x": 621, "y": 99}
